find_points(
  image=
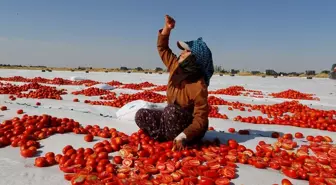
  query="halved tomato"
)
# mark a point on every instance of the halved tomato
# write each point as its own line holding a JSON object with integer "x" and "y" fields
{"x": 69, "y": 176}
{"x": 332, "y": 153}
{"x": 227, "y": 172}
{"x": 330, "y": 181}
{"x": 79, "y": 179}
{"x": 127, "y": 162}
{"x": 150, "y": 169}
{"x": 222, "y": 181}
{"x": 167, "y": 179}
{"x": 176, "y": 176}
{"x": 206, "y": 181}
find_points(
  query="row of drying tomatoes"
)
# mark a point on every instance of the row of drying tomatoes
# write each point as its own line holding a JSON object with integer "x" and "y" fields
{"x": 144, "y": 161}
{"x": 233, "y": 90}
{"x": 287, "y": 113}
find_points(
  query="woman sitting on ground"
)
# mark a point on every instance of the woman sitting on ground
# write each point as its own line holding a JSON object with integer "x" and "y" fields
{"x": 185, "y": 119}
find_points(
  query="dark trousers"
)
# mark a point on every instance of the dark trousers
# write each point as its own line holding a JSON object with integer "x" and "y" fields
{"x": 163, "y": 125}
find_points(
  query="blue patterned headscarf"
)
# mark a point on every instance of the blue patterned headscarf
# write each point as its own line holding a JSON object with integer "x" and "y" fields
{"x": 203, "y": 57}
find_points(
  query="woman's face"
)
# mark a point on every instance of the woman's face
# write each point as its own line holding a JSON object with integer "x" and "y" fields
{"x": 184, "y": 54}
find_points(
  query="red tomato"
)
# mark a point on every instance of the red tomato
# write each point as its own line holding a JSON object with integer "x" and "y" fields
{"x": 206, "y": 181}
{"x": 298, "y": 135}
{"x": 88, "y": 138}
{"x": 241, "y": 148}
{"x": 186, "y": 153}
{"x": 51, "y": 161}
{"x": 117, "y": 159}
{"x": 222, "y": 181}
{"x": 332, "y": 153}
{"x": 228, "y": 172}
{"x": 127, "y": 162}
{"x": 66, "y": 148}
{"x": 78, "y": 179}
{"x": 232, "y": 143}
{"x": 41, "y": 162}
{"x": 260, "y": 164}
{"x": 110, "y": 168}
{"x": 177, "y": 155}
{"x": 68, "y": 177}
{"x": 330, "y": 181}
{"x": 275, "y": 135}
{"x": 102, "y": 155}
{"x": 50, "y": 154}
{"x": 290, "y": 173}
{"x": 20, "y": 111}
{"x": 328, "y": 139}
{"x": 231, "y": 130}
{"x": 28, "y": 152}
{"x": 286, "y": 182}
{"x": 310, "y": 138}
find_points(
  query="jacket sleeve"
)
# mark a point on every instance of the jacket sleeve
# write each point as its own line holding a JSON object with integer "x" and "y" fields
{"x": 200, "y": 122}
{"x": 166, "y": 54}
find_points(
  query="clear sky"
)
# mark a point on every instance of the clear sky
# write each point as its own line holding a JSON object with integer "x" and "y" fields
{"x": 285, "y": 35}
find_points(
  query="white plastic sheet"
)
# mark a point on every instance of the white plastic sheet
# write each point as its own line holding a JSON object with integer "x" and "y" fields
{"x": 128, "y": 111}
{"x": 77, "y": 78}
{"x": 104, "y": 86}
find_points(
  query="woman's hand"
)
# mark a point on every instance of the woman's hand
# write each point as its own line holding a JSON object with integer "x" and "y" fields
{"x": 169, "y": 22}
{"x": 179, "y": 142}
{"x": 168, "y": 26}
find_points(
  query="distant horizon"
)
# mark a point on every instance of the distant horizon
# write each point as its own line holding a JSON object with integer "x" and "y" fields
{"x": 153, "y": 68}
{"x": 251, "y": 35}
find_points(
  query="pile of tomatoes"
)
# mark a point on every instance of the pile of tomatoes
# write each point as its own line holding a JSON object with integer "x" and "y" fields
{"x": 123, "y": 99}
{"x": 160, "y": 88}
{"x": 39, "y": 91}
{"x": 214, "y": 113}
{"x": 294, "y": 114}
{"x": 232, "y": 91}
{"x": 146, "y": 84}
{"x": 292, "y": 94}
{"x": 291, "y": 113}
{"x": 92, "y": 91}
{"x": 138, "y": 86}
{"x": 55, "y": 81}
{"x": 114, "y": 83}
{"x": 110, "y": 96}
{"x": 15, "y": 79}
{"x": 132, "y": 86}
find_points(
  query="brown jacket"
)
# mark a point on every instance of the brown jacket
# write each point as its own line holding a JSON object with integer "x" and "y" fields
{"x": 191, "y": 96}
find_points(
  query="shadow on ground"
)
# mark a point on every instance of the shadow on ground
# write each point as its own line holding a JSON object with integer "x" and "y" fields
{"x": 225, "y": 136}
